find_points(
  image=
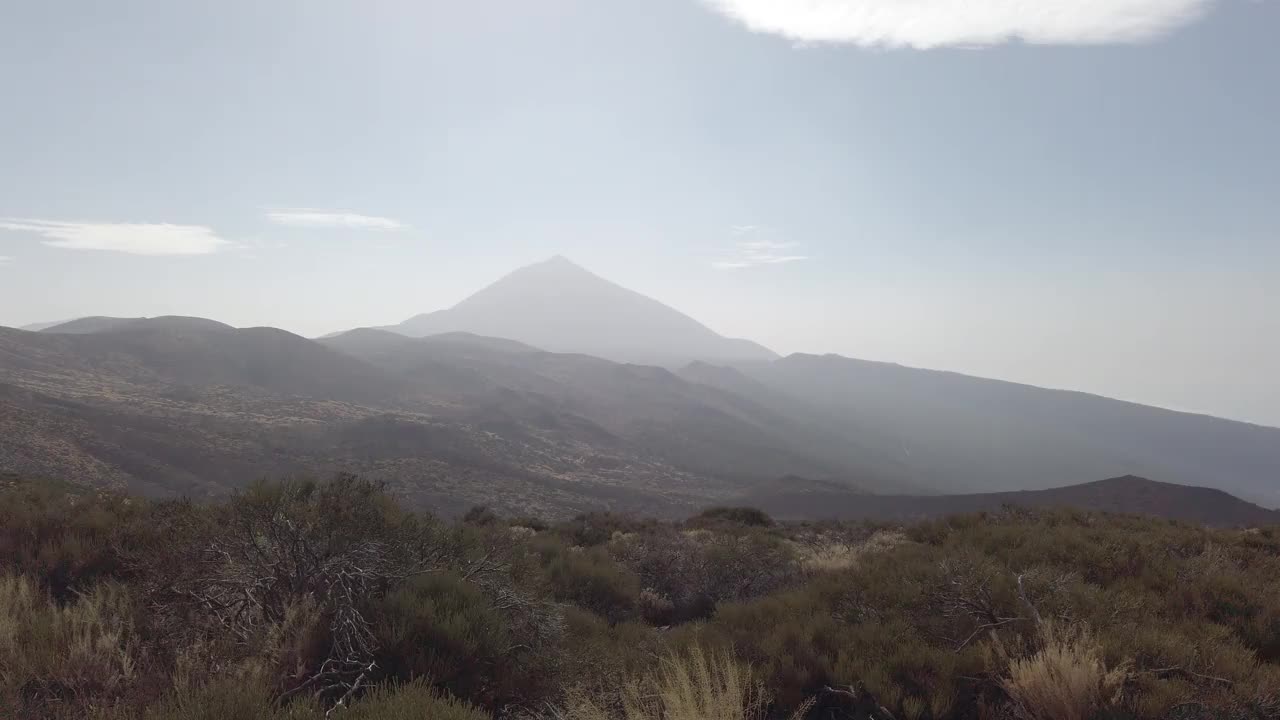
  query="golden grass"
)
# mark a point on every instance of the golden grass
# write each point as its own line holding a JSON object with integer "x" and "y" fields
{"x": 688, "y": 686}
{"x": 1066, "y": 679}
{"x": 833, "y": 556}
{"x": 696, "y": 686}
{"x": 83, "y": 649}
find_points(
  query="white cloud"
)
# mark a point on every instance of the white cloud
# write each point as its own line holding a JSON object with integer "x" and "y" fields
{"x": 132, "y": 238}
{"x": 4, "y": 260}
{"x": 937, "y": 23}
{"x": 311, "y": 218}
{"x": 756, "y": 252}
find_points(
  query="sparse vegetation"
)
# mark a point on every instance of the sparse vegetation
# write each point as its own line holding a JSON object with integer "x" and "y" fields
{"x": 300, "y": 599}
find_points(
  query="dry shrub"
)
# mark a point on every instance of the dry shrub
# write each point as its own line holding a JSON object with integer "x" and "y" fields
{"x": 835, "y": 551}
{"x": 828, "y": 558}
{"x": 413, "y": 701}
{"x": 52, "y": 653}
{"x": 66, "y": 538}
{"x": 698, "y": 569}
{"x": 583, "y": 705}
{"x": 227, "y": 698}
{"x": 1066, "y": 679}
{"x": 600, "y": 658}
{"x": 883, "y": 540}
{"x": 296, "y": 644}
{"x": 656, "y": 608}
{"x": 693, "y": 685}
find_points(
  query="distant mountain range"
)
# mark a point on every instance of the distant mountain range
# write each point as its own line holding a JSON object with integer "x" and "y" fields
{"x": 191, "y": 406}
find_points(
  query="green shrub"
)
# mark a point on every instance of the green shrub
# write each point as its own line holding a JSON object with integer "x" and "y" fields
{"x": 791, "y": 642}
{"x": 443, "y": 627}
{"x": 588, "y": 578}
{"x": 694, "y": 571}
{"x": 481, "y": 516}
{"x": 591, "y": 529}
{"x": 749, "y": 565}
{"x": 67, "y": 538}
{"x": 490, "y": 646}
{"x": 748, "y": 516}
{"x": 601, "y": 658}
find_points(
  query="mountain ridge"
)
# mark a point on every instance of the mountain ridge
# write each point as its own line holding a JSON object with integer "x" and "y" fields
{"x": 87, "y": 324}
{"x": 178, "y": 403}
{"x": 1128, "y": 495}
{"x": 805, "y": 356}
{"x": 959, "y": 433}
{"x": 557, "y": 305}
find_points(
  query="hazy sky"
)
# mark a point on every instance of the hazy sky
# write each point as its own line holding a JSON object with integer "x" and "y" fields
{"x": 1072, "y": 193}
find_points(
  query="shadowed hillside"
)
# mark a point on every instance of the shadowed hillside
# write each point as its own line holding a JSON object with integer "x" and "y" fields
{"x": 1127, "y": 495}
{"x": 183, "y": 405}
{"x": 955, "y": 433}
{"x": 697, "y": 427}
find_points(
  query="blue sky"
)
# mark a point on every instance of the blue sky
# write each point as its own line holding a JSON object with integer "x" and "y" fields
{"x": 1075, "y": 194}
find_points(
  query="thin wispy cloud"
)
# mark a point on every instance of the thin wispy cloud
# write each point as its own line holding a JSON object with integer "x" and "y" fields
{"x": 5, "y": 260}
{"x": 131, "y": 238}
{"x": 312, "y": 218}
{"x": 754, "y": 251}
{"x": 926, "y": 24}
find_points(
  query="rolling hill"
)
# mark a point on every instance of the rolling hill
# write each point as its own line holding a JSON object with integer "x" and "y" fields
{"x": 651, "y": 410}
{"x": 189, "y": 406}
{"x": 1127, "y": 495}
{"x": 956, "y": 433}
{"x": 91, "y": 324}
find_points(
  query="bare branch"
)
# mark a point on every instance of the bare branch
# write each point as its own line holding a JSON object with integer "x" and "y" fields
{"x": 1022, "y": 595}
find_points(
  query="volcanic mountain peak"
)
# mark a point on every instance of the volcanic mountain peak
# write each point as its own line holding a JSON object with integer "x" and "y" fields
{"x": 559, "y": 306}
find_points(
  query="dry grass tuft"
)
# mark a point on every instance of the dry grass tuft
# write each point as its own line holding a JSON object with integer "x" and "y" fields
{"x": 696, "y": 686}
{"x": 1066, "y": 679}
{"x": 688, "y": 686}
{"x": 82, "y": 650}
{"x": 838, "y": 555}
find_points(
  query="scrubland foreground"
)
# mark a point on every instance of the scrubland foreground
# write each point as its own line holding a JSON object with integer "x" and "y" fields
{"x": 301, "y": 599}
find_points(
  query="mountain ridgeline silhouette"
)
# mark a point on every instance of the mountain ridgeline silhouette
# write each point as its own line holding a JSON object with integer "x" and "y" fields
{"x": 556, "y": 391}
{"x": 1127, "y": 495}
{"x": 560, "y": 307}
